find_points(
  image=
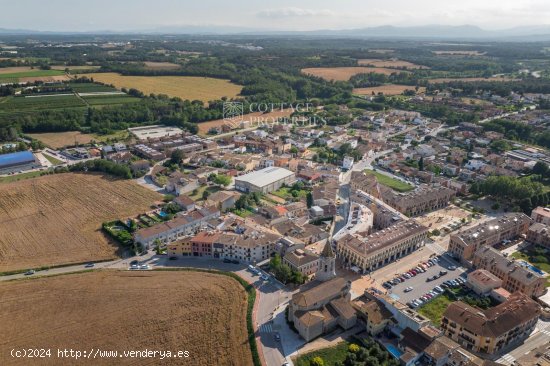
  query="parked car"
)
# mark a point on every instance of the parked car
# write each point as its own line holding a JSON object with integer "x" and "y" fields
{"x": 173, "y": 258}
{"x": 234, "y": 261}
{"x": 226, "y": 260}
{"x": 144, "y": 266}
{"x": 442, "y": 272}
{"x": 452, "y": 268}
{"x": 251, "y": 267}
{"x": 408, "y": 289}
{"x": 264, "y": 277}
{"x": 134, "y": 266}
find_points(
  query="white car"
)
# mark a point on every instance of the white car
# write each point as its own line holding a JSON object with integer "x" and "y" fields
{"x": 144, "y": 266}
{"x": 408, "y": 289}
{"x": 134, "y": 266}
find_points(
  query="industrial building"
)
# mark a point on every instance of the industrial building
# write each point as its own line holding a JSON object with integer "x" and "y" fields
{"x": 265, "y": 180}
{"x": 18, "y": 161}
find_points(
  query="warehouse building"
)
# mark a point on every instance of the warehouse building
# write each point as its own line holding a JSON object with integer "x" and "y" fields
{"x": 265, "y": 180}
{"x": 18, "y": 161}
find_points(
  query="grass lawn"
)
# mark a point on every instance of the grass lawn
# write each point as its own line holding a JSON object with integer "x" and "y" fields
{"x": 286, "y": 193}
{"x": 394, "y": 184}
{"x": 52, "y": 160}
{"x": 200, "y": 190}
{"x": 330, "y": 355}
{"x": 14, "y": 178}
{"x": 434, "y": 309}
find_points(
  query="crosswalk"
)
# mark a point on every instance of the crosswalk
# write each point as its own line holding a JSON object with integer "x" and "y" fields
{"x": 507, "y": 359}
{"x": 266, "y": 328}
{"x": 436, "y": 248}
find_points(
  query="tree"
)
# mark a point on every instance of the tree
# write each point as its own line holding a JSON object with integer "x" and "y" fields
{"x": 205, "y": 194}
{"x": 317, "y": 361}
{"x": 541, "y": 169}
{"x": 222, "y": 180}
{"x": 421, "y": 164}
{"x": 294, "y": 150}
{"x": 309, "y": 199}
{"x": 176, "y": 157}
{"x": 353, "y": 348}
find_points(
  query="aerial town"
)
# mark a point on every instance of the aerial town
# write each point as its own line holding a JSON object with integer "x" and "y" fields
{"x": 349, "y": 225}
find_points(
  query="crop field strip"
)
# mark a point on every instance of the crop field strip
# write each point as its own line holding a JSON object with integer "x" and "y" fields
{"x": 203, "y": 313}
{"x": 56, "y": 219}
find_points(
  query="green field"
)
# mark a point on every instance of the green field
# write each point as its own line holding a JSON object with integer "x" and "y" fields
{"x": 14, "y": 178}
{"x": 18, "y": 104}
{"x": 394, "y": 184}
{"x": 52, "y": 160}
{"x": 15, "y": 76}
{"x": 434, "y": 309}
{"x": 109, "y": 99}
{"x": 90, "y": 88}
{"x": 330, "y": 355}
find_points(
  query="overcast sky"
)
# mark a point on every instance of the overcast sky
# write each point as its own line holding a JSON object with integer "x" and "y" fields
{"x": 86, "y": 15}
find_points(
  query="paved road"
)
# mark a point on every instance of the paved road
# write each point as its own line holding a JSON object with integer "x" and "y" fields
{"x": 538, "y": 338}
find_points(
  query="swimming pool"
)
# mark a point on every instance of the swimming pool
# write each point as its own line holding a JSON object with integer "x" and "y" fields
{"x": 162, "y": 214}
{"x": 395, "y": 352}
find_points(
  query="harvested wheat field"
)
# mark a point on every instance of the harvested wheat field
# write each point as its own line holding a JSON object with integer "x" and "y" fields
{"x": 345, "y": 73}
{"x": 391, "y": 63}
{"x": 446, "y": 80}
{"x": 202, "y": 313}
{"x": 56, "y": 219}
{"x": 459, "y": 53}
{"x": 246, "y": 121}
{"x": 390, "y": 89}
{"x": 58, "y": 140}
{"x": 184, "y": 87}
{"x": 161, "y": 65}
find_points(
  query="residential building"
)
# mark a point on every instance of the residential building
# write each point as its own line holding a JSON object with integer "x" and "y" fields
{"x": 382, "y": 247}
{"x": 515, "y": 276}
{"x": 539, "y": 234}
{"x": 541, "y": 215}
{"x": 373, "y": 313}
{"x": 404, "y": 316}
{"x": 265, "y": 180}
{"x": 223, "y": 200}
{"x": 482, "y": 282}
{"x": 303, "y": 261}
{"x": 175, "y": 229}
{"x": 465, "y": 243}
{"x": 492, "y": 330}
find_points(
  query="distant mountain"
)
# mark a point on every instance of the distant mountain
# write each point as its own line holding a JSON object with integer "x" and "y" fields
{"x": 525, "y": 33}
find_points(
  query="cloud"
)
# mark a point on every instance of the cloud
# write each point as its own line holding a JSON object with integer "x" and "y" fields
{"x": 291, "y": 12}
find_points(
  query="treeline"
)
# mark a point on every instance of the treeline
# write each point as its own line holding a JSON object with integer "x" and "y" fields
{"x": 526, "y": 193}
{"x": 98, "y": 165}
{"x": 375, "y": 79}
{"x": 519, "y": 131}
{"x": 500, "y": 88}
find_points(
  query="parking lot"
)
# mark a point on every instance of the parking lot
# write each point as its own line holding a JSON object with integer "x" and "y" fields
{"x": 419, "y": 283}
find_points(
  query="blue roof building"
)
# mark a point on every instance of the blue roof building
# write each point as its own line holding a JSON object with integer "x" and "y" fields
{"x": 16, "y": 159}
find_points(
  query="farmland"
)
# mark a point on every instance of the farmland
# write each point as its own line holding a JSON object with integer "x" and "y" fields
{"x": 184, "y": 87}
{"x": 390, "y": 89}
{"x": 56, "y": 219}
{"x": 392, "y": 63}
{"x": 161, "y": 65}
{"x": 202, "y": 313}
{"x": 23, "y": 74}
{"x": 57, "y": 140}
{"x": 459, "y": 53}
{"x": 345, "y": 73}
{"x": 250, "y": 119}
{"x": 19, "y": 104}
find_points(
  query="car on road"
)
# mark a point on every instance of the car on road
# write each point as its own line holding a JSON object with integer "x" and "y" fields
{"x": 144, "y": 266}
{"x": 89, "y": 265}
{"x": 408, "y": 289}
{"x": 226, "y": 260}
{"x": 173, "y": 258}
{"x": 277, "y": 337}
{"x": 251, "y": 268}
{"x": 452, "y": 268}
{"x": 30, "y": 272}
{"x": 234, "y": 261}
